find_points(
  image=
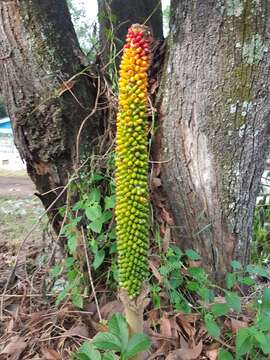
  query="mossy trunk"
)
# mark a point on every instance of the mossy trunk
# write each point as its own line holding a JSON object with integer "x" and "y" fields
{"x": 39, "y": 53}
{"x": 215, "y": 124}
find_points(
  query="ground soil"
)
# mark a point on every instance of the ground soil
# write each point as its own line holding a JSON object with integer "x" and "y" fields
{"x": 16, "y": 186}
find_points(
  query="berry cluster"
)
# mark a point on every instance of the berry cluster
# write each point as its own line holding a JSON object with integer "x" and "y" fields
{"x": 132, "y": 204}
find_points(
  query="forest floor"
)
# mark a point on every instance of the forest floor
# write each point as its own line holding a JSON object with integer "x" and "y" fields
{"x": 32, "y": 327}
{"x": 14, "y": 185}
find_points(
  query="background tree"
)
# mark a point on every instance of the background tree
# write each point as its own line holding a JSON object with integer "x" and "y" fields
{"x": 115, "y": 19}
{"x": 39, "y": 54}
{"x": 85, "y": 30}
{"x": 213, "y": 115}
{"x": 215, "y": 124}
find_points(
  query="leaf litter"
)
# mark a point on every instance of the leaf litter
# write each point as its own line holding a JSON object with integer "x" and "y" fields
{"x": 33, "y": 328}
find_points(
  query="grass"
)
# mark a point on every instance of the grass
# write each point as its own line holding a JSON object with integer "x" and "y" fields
{"x": 17, "y": 216}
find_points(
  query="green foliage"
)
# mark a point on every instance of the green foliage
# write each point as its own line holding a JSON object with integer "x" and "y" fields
{"x": 254, "y": 341}
{"x": 114, "y": 344}
{"x": 189, "y": 288}
{"x": 260, "y": 246}
{"x": 92, "y": 212}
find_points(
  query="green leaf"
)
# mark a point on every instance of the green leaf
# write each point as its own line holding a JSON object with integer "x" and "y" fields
{"x": 197, "y": 273}
{"x": 96, "y": 225}
{"x": 266, "y": 295}
{"x": 233, "y": 301}
{"x": 106, "y": 216}
{"x": 81, "y": 356}
{"x": 193, "y": 285}
{"x": 78, "y": 205}
{"x": 69, "y": 261}
{"x": 243, "y": 342}
{"x": 97, "y": 177}
{"x": 247, "y": 280}
{"x": 211, "y": 326}
{"x": 192, "y": 255}
{"x": 164, "y": 270}
{"x": 264, "y": 323}
{"x": 60, "y": 297}
{"x": 109, "y": 202}
{"x": 106, "y": 341}
{"x": 177, "y": 251}
{"x": 56, "y": 271}
{"x": 138, "y": 343}
{"x": 98, "y": 260}
{"x": 72, "y": 243}
{"x": 110, "y": 356}
{"x": 236, "y": 265}
{"x": 230, "y": 280}
{"x": 112, "y": 234}
{"x": 88, "y": 351}
{"x": 257, "y": 270}
{"x": 206, "y": 294}
{"x": 263, "y": 341}
{"x": 77, "y": 300}
{"x": 94, "y": 196}
{"x": 176, "y": 279}
{"x": 224, "y": 354}
{"x": 220, "y": 309}
{"x": 93, "y": 211}
{"x": 119, "y": 327}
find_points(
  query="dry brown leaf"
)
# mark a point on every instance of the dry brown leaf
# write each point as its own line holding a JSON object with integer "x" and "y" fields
{"x": 110, "y": 308}
{"x": 186, "y": 354}
{"x": 36, "y": 316}
{"x": 165, "y": 215}
{"x": 161, "y": 351}
{"x": 212, "y": 354}
{"x": 165, "y": 326}
{"x": 15, "y": 346}
{"x": 50, "y": 354}
{"x": 79, "y": 330}
{"x": 220, "y": 300}
{"x": 183, "y": 342}
{"x": 153, "y": 315}
{"x": 166, "y": 238}
{"x": 190, "y": 318}
{"x": 237, "y": 324}
{"x": 194, "y": 263}
{"x": 155, "y": 272}
{"x": 10, "y": 326}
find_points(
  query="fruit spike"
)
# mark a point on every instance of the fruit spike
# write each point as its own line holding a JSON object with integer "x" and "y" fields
{"x": 132, "y": 198}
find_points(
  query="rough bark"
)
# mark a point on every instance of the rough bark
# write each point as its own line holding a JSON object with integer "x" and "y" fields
{"x": 215, "y": 123}
{"x": 114, "y": 18}
{"x": 39, "y": 51}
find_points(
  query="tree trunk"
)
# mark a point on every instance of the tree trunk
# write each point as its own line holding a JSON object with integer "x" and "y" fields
{"x": 215, "y": 124}
{"x": 39, "y": 53}
{"x": 214, "y": 111}
{"x": 115, "y": 19}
